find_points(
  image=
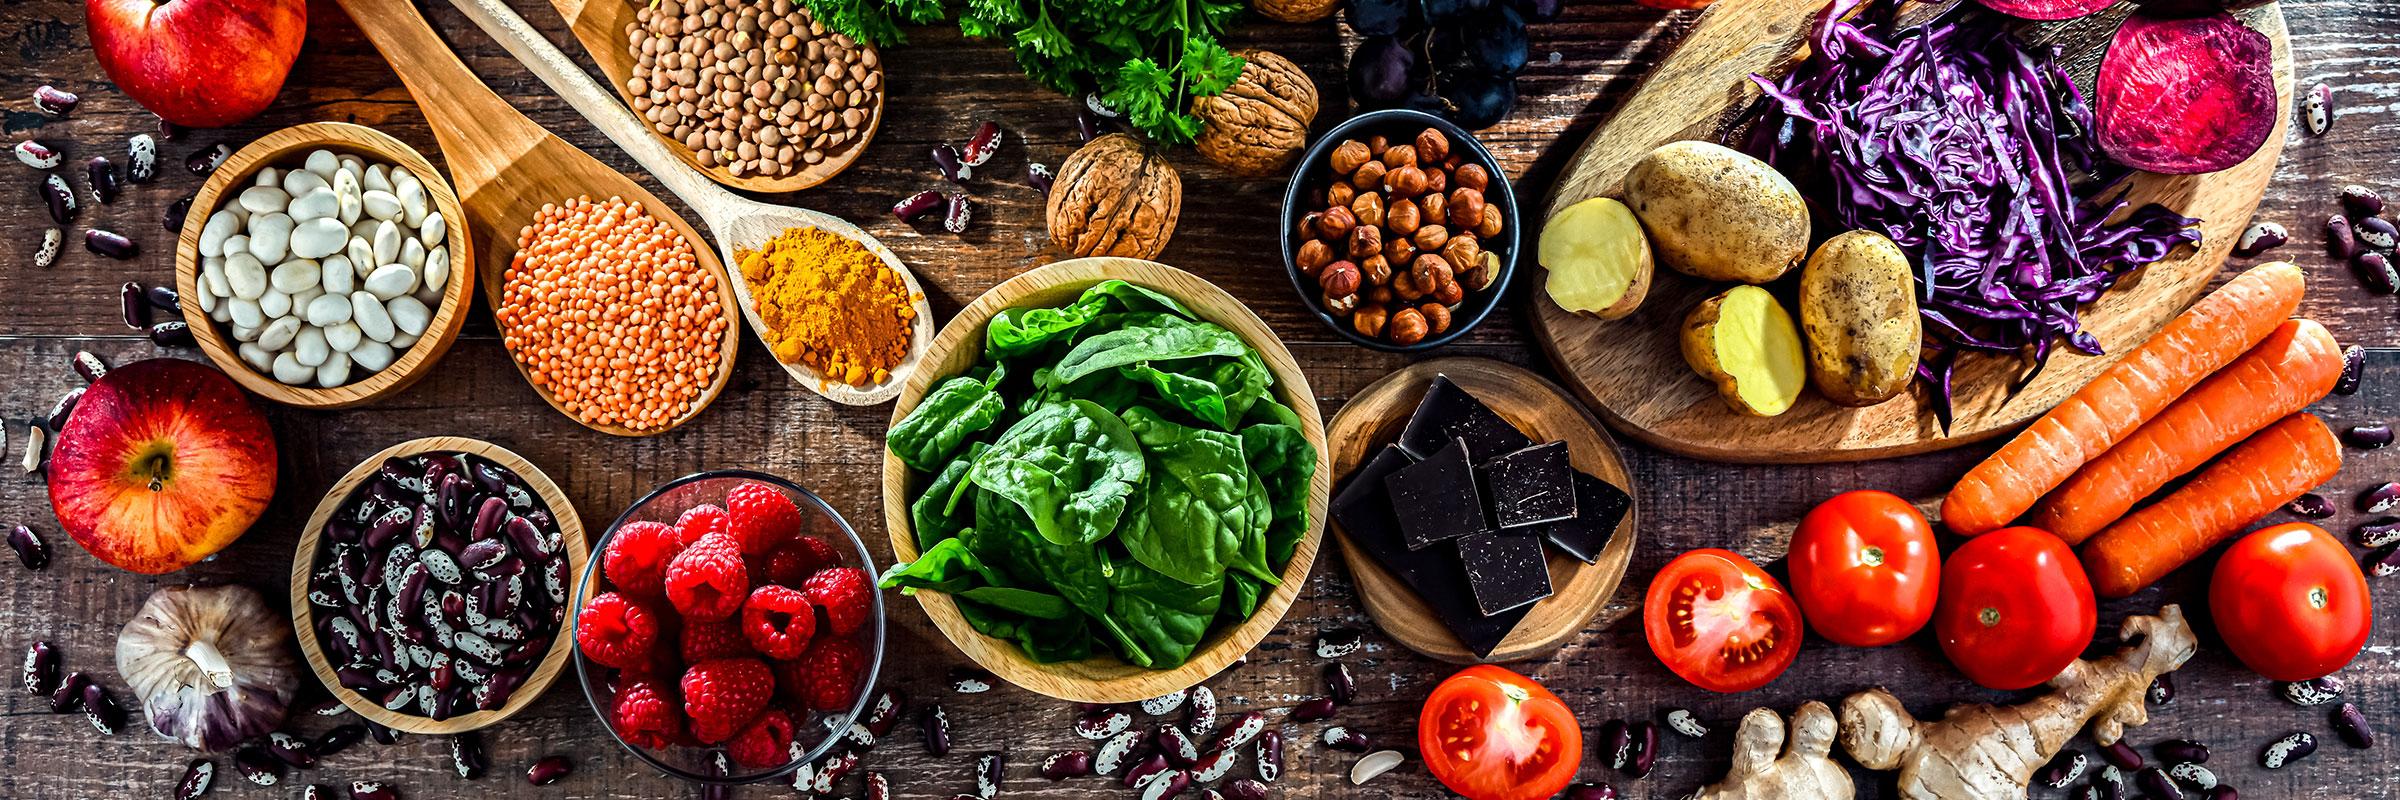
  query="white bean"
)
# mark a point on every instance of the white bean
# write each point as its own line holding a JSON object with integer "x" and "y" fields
{"x": 237, "y": 243}
{"x": 403, "y": 340}
{"x": 366, "y": 310}
{"x": 360, "y": 252}
{"x": 381, "y": 204}
{"x": 372, "y": 355}
{"x": 309, "y": 347}
{"x": 243, "y": 333}
{"x": 213, "y": 233}
{"x": 278, "y": 334}
{"x": 274, "y": 304}
{"x": 269, "y": 176}
{"x": 328, "y": 310}
{"x": 335, "y": 371}
{"x": 264, "y": 198}
{"x": 301, "y": 299}
{"x": 245, "y": 275}
{"x": 208, "y": 301}
{"x": 344, "y": 337}
{"x": 412, "y": 254}
{"x": 339, "y": 275}
{"x": 257, "y": 357}
{"x": 319, "y": 237}
{"x": 391, "y": 280}
{"x": 378, "y": 178}
{"x": 434, "y": 229}
{"x": 410, "y": 316}
{"x": 412, "y": 200}
{"x": 299, "y": 182}
{"x": 352, "y": 164}
{"x": 212, "y": 276}
{"x": 317, "y": 204}
{"x": 346, "y": 193}
{"x": 271, "y": 237}
{"x": 224, "y": 312}
{"x": 246, "y": 313}
{"x": 290, "y": 371}
{"x": 387, "y": 242}
{"x": 324, "y": 163}
{"x": 296, "y": 275}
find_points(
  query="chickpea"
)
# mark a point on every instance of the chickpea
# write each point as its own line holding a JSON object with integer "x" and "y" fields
{"x": 1429, "y": 271}
{"x": 1431, "y": 237}
{"x": 1339, "y": 194}
{"x": 1432, "y": 146}
{"x": 1376, "y": 269}
{"x": 1314, "y": 255}
{"x": 1367, "y": 209}
{"x": 1436, "y": 207}
{"x": 1369, "y": 176}
{"x": 1348, "y": 156}
{"x": 1397, "y": 157}
{"x": 1341, "y": 306}
{"x": 1472, "y": 176}
{"x": 1365, "y": 240}
{"x": 1402, "y": 218}
{"x": 1464, "y": 252}
{"x": 1338, "y": 278}
{"x": 1466, "y": 208}
{"x": 1335, "y": 223}
{"x": 1437, "y": 316}
{"x": 1405, "y": 181}
{"x": 1406, "y": 327}
{"x": 1369, "y": 320}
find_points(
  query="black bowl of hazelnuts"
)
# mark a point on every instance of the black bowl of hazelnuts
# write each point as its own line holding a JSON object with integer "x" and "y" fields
{"x": 1399, "y": 230}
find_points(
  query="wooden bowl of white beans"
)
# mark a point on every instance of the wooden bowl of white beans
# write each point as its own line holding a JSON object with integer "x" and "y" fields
{"x": 269, "y": 266}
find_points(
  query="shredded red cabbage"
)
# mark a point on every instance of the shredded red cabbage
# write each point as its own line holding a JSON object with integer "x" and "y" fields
{"x": 1974, "y": 154}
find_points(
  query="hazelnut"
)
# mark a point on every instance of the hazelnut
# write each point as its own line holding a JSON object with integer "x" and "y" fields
{"x": 1432, "y": 146}
{"x": 1348, "y": 156}
{"x": 1464, "y": 252}
{"x": 1405, "y": 181}
{"x": 1379, "y": 295}
{"x": 1367, "y": 209}
{"x": 1399, "y": 250}
{"x": 1437, "y": 316}
{"x": 1314, "y": 255}
{"x": 1402, "y": 218}
{"x": 1449, "y": 294}
{"x": 1341, "y": 306}
{"x": 1466, "y": 208}
{"x": 1335, "y": 223}
{"x": 1369, "y": 176}
{"x": 1369, "y": 319}
{"x": 1376, "y": 145}
{"x": 1405, "y": 286}
{"x": 1429, "y": 271}
{"x": 1475, "y": 279}
{"x": 1397, "y": 157}
{"x": 1436, "y": 207}
{"x": 1491, "y": 224}
{"x": 1365, "y": 240}
{"x": 1406, "y": 327}
{"x": 1437, "y": 181}
{"x": 1431, "y": 237}
{"x": 1338, "y": 279}
{"x": 1307, "y": 229}
{"x": 1339, "y": 194}
{"x": 1376, "y": 269}
{"x": 1471, "y": 176}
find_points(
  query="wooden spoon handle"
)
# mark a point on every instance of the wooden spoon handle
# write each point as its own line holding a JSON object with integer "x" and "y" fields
{"x": 594, "y": 102}
{"x": 469, "y": 120}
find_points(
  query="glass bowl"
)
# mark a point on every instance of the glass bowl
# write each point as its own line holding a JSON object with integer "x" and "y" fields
{"x": 813, "y": 735}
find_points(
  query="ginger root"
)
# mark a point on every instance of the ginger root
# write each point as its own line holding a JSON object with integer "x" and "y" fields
{"x": 1987, "y": 752}
{"x": 1805, "y": 769}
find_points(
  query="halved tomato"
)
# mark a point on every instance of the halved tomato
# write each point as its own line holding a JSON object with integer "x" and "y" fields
{"x": 1491, "y": 734}
{"x": 1720, "y": 622}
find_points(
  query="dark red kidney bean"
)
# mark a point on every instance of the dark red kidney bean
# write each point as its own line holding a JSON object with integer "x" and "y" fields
{"x": 2310, "y": 506}
{"x": 2122, "y": 756}
{"x": 945, "y": 159}
{"x": 2161, "y": 691}
{"x": 100, "y": 708}
{"x": 2379, "y": 499}
{"x": 1338, "y": 642}
{"x": 2155, "y": 785}
{"x": 982, "y": 145}
{"x": 1339, "y": 683}
{"x": 1118, "y": 751}
{"x": 41, "y": 669}
{"x": 1168, "y": 784}
{"x": 990, "y": 768}
{"x": 204, "y": 160}
{"x": 171, "y": 333}
{"x": 884, "y": 712}
{"x": 2351, "y": 724}
{"x": 1179, "y": 749}
{"x": 2377, "y": 233}
{"x": 161, "y": 297}
{"x": 934, "y": 726}
{"x": 467, "y": 756}
{"x": 2181, "y": 751}
{"x": 1038, "y": 176}
{"x": 2384, "y": 562}
{"x": 2062, "y": 769}
{"x": 2375, "y": 270}
{"x": 31, "y": 550}
{"x": 255, "y": 765}
{"x": 64, "y": 407}
{"x": 1616, "y": 743}
{"x": 54, "y": 101}
{"x": 2368, "y": 437}
{"x": 548, "y": 770}
{"x": 1245, "y": 789}
{"x": 339, "y": 739}
{"x": 2354, "y": 366}
{"x": 1087, "y": 121}
{"x": 291, "y": 750}
{"x": 1645, "y": 749}
{"x": 372, "y": 790}
{"x": 1342, "y": 738}
{"x": 1245, "y": 726}
{"x": 1269, "y": 755}
{"x": 1102, "y": 723}
{"x": 2223, "y": 792}
{"x": 1153, "y": 765}
{"x": 2376, "y": 532}
{"x": 134, "y": 305}
{"x": 1592, "y": 791}
{"x": 111, "y": 244}
{"x": 382, "y": 734}
{"x": 2292, "y": 747}
{"x": 176, "y": 212}
{"x": 1066, "y": 764}
{"x": 103, "y": 178}
{"x": 198, "y": 777}
{"x": 58, "y": 198}
{"x": 958, "y": 211}
{"x": 2361, "y": 201}
{"x": 1200, "y": 712}
{"x": 69, "y": 694}
{"x": 89, "y": 365}
{"x": 2313, "y": 692}
{"x": 917, "y": 205}
{"x": 1313, "y": 710}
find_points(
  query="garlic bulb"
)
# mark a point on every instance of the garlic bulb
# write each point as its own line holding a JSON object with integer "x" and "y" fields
{"x": 212, "y": 665}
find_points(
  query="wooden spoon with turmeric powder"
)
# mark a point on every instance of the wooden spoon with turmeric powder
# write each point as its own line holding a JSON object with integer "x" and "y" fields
{"x": 808, "y": 281}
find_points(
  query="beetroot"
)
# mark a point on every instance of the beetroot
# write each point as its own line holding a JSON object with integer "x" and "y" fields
{"x": 2046, "y": 9}
{"x": 2185, "y": 96}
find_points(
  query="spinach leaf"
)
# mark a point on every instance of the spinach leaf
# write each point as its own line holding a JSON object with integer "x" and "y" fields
{"x": 1045, "y": 641}
{"x": 1251, "y": 556}
{"x": 949, "y": 567}
{"x": 934, "y": 514}
{"x": 956, "y": 410}
{"x": 1004, "y": 536}
{"x": 1026, "y": 602}
{"x": 1135, "y": 297}
{"x": 1242, "y": 595}
{"x": 1019, "y": 331}
{"x": 1156, "y": 620}
{"x": 1071, "y": 465}
{"x": 1193, "y": 518}
{"x": 1281, "y": 457}
{"x": 1108, "y": 389}
{"x": 1164, "y": 338}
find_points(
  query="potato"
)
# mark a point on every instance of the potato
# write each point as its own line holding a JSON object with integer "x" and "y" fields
{"x": 1598, "y": 258}
{"x": 1717, "y": 214}
{"x": 1858, "y": 307}
{"x": 1744, "y": 341}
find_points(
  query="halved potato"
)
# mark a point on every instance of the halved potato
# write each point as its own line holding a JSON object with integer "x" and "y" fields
{"x": 1598, "y": 258}
{"x": 1745, "y": 342}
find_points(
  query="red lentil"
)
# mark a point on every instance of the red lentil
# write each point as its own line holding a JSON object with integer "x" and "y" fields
{"x": 609, "y": 312}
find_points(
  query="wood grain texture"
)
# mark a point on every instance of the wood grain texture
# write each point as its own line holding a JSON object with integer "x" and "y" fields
{"x": 304, "y": 564}
{"x": 1632, "y": 371}
{"x": 285, "y": 149}
{"x": 1374, "y": 417}
{"x": 942, "y": 85}
{"x": 1106, "y": 679}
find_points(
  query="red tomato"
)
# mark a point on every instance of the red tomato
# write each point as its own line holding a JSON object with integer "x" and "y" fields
{"x": 1865, "y": 569}
{"x": 2016, "y": 608}
{"x": 1720, "y": 622}
{"x": 2291, "y": 603}
{"x": 1491, "y": 734}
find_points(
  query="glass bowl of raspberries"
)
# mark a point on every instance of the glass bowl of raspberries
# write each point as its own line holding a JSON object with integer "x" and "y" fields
{"x": 728, "y": 629}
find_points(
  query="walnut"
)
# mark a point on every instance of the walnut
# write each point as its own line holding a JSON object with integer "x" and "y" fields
{"x": 1295, "y": 10}
{"x": 1114, "y": 197}
{"x": 1260, "y": 123}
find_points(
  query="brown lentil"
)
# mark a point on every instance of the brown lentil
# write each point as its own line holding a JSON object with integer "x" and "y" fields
{"x": 756, "y": 87}
{"x": 609, "y": 312}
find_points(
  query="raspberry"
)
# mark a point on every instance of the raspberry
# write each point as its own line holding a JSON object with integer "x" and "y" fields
{"x": 700, "y": 520}
{"x": 636, "y": 558}
{"x": 762, "y": 517}
{"x": 826, "y": 677}
{"x": 617, "y": 632}
{"x": 723, "y": 695}
{"x": 708, "y": 582}
{"x": 767, "y": 743}
{"x": 778, "y": 621}
{"x": 793, "y": 563}
{"x": 708, "y": 641}
{"x": 844, "y": 593}
{"x": 645, "y": 717}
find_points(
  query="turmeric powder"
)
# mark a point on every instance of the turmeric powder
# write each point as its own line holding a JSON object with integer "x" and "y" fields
{"x": 827, "y": 302}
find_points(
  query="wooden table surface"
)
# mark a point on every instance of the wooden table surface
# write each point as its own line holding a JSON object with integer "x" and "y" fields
{"x": 940, "y": 87}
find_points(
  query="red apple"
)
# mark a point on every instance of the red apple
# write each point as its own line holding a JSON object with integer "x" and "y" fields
{"x": 198, "y": 63}
{"x": 163, "y": 463}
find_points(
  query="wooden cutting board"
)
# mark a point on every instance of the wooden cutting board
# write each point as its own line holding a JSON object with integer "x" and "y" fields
{"x": 1632, "y": 371}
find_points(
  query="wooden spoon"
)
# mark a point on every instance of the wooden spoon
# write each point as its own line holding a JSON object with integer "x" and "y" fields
{"x": 741, "y": 224}
{"x": 600, "y": 26}
{"x": 505, "y": 167}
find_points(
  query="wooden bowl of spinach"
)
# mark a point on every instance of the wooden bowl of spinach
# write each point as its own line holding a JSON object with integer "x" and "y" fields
{"x": 1107, "y": 483}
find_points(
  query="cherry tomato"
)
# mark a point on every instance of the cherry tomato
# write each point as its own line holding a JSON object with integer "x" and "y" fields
{"x": 1491, "y": 734}
{"x": 1721, "y": 622}
{"x": 2016, "y": 608}
{"x": 1865, "y": 569}
{"x": 2291, "y": 603}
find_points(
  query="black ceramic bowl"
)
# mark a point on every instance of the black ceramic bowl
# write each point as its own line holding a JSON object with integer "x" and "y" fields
{"x": 1306, "y": 193}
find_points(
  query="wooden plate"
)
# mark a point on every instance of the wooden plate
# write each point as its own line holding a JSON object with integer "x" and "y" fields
{"x": 1632, "y": 370}
{"x": 286, "y": 148}
{"x": 600, "y": 25}
{"x": 304, "y": 558}
{"x": 1374, "y": 417}
{"x": 1106, "y": 679}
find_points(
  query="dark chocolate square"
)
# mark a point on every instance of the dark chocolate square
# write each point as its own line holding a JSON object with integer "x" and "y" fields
{"x": 1364, "y": 510}
{"x": 1436, "y": 498}
{"x": 1449, "y": 412}
{"x": 1530, "y": 486}
{"x": 1505, "y": 572}
{"x": 1599, "y": 506}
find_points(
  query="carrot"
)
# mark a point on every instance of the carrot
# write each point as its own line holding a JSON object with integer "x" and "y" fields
{"x": 2295, "y": 366}
{"x": 2197, "y": 342}
{"x": 2257, "y": 477}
